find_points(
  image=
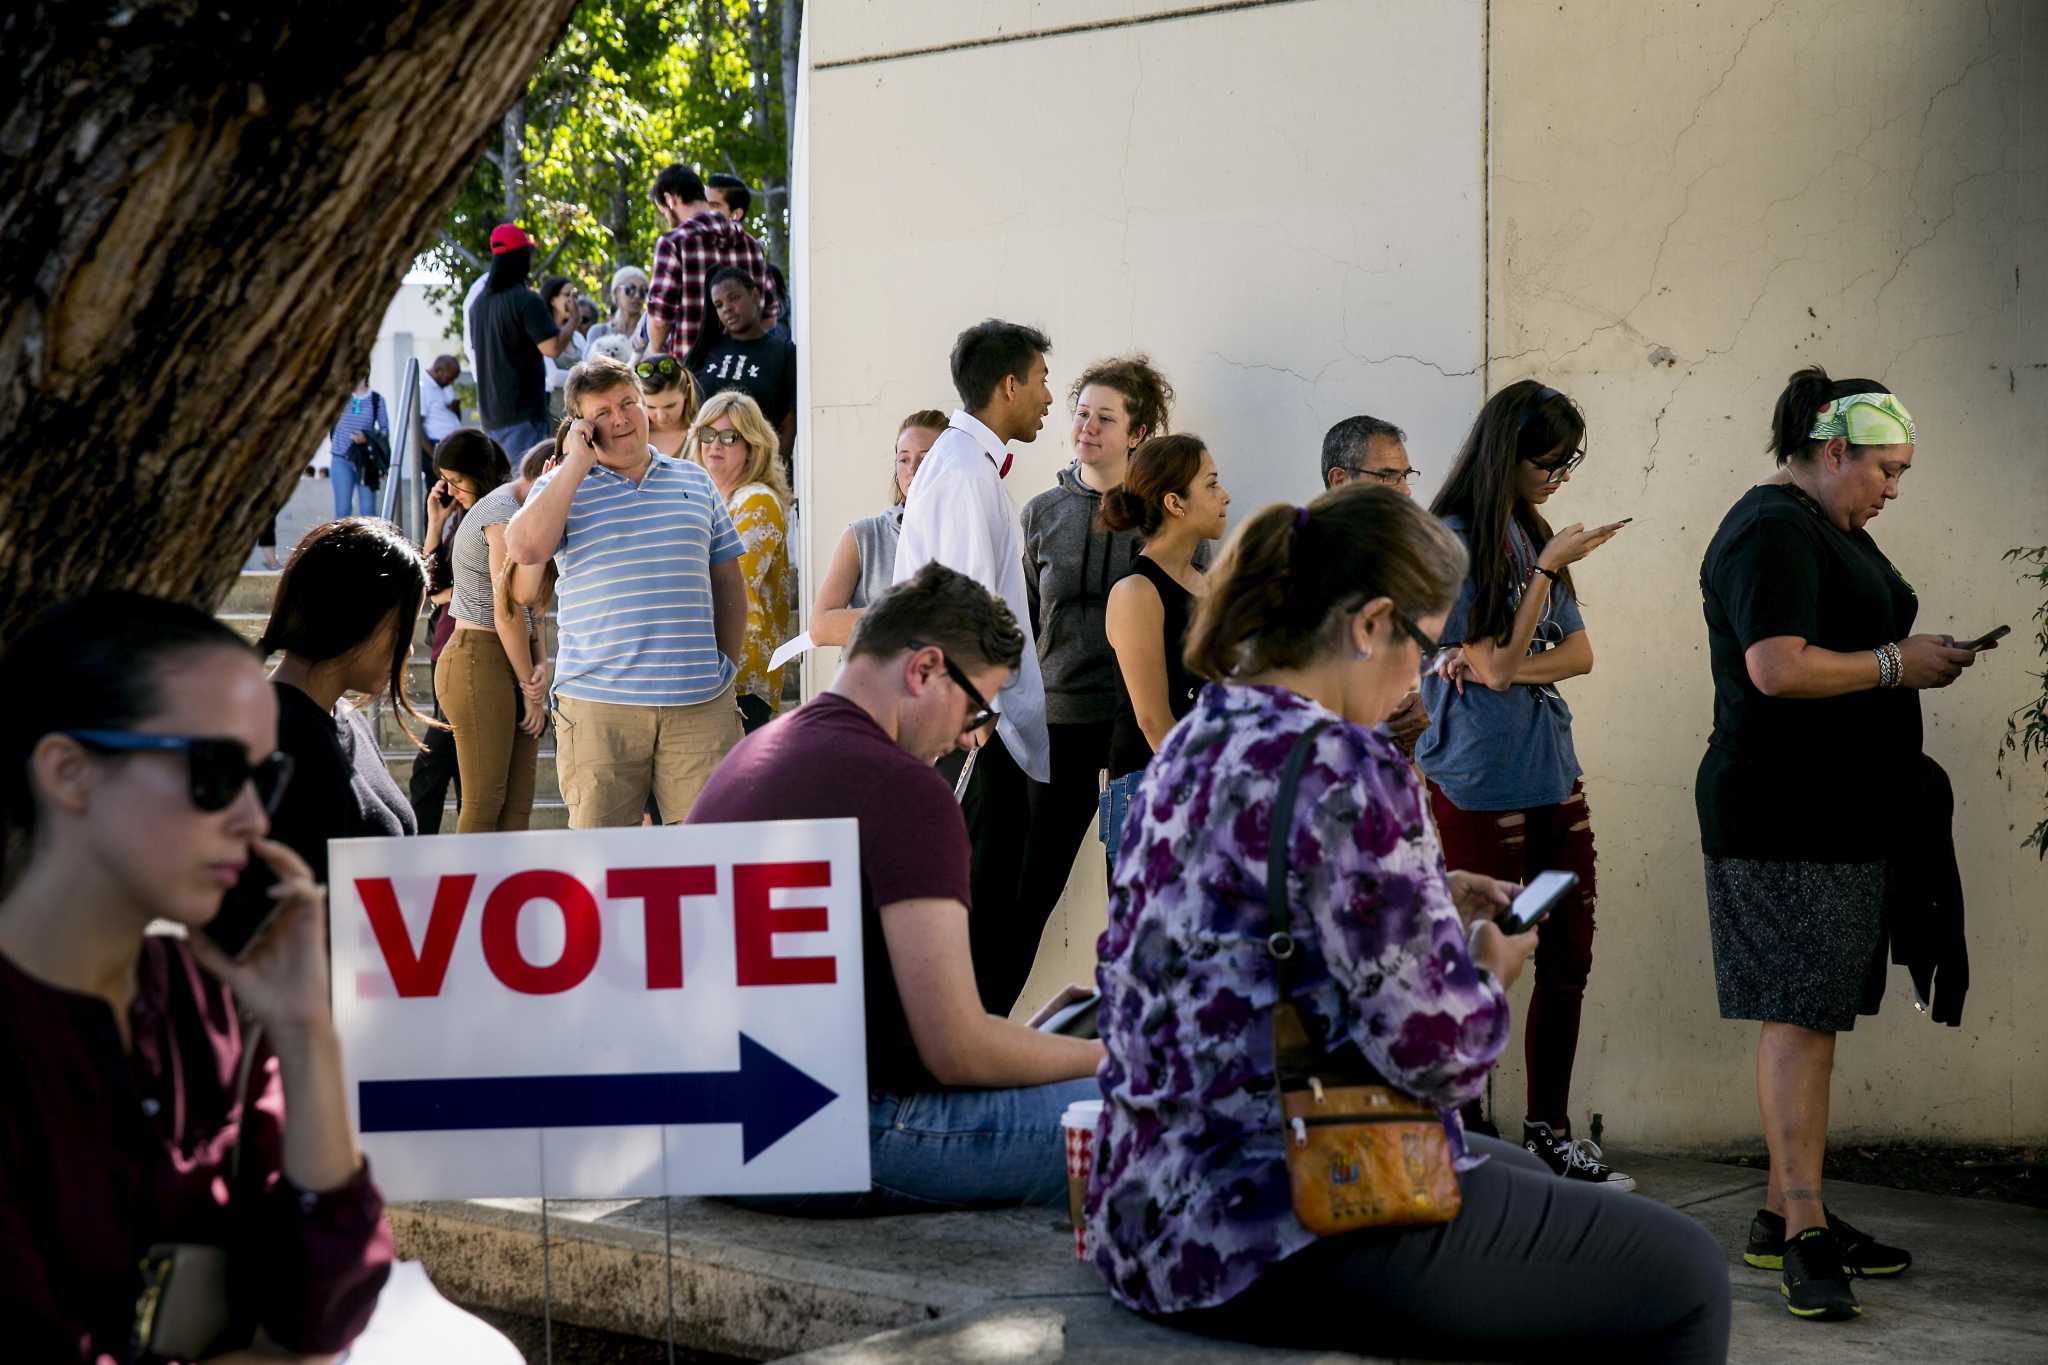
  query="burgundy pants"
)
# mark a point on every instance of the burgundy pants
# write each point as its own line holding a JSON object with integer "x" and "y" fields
{"x": 1515, "y": 845}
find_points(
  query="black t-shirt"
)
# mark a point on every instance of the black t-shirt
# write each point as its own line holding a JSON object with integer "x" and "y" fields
{"x": 340, "y": 788}
{"x": 511, "y": 378}
{"x": 828, "y": 760}
{"x": 1129, "y": 750}
{"x": 1795, "y": 778}
{"x": 764, "y": 369}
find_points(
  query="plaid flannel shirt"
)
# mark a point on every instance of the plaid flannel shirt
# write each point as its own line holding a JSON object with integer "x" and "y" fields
{"x": 688, "y": 256}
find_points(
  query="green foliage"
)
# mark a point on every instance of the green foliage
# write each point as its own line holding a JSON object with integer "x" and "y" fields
{"x": 632, "y": 86}
{"x": 2026, "y": 730}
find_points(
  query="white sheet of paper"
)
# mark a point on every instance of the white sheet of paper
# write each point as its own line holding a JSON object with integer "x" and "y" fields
{"x": 789, "y": 649}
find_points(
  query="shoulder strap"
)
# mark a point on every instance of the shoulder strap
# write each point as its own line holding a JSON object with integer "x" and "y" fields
{"x": 1279, "y": 833}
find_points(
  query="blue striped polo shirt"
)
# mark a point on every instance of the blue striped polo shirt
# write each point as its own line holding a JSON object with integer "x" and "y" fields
{"x": 634, "y": 596}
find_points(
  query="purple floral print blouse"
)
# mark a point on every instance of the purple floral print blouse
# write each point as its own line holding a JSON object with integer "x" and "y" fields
{"x": 1189, "y": 1199}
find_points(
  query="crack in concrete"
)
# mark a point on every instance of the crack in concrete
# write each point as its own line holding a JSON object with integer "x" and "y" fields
{"x": 1699, "y": 110}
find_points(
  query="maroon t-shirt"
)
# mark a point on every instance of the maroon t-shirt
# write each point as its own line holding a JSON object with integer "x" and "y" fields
{"x": 828, "y": 760}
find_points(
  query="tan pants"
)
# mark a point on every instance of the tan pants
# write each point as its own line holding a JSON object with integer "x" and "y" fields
{"x": 610, "y": 757}
{"x": 480, "y": 698}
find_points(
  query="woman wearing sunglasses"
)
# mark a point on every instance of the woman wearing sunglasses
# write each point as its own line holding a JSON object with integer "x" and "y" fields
{"x": 140, "y": 742}
{"x": 733, "y": 441}
{"x": 629, "y": 307}
{"x": 669, "y": 395}
{"x": 343, "y": 617}
{"x": 1503, "y": 777}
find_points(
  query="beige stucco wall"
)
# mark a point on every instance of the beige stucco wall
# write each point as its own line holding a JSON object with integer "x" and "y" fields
{"x": 1315, "y": 207}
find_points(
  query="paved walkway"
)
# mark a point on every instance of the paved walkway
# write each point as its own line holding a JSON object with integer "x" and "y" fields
{"x": 1004, "y": 1286}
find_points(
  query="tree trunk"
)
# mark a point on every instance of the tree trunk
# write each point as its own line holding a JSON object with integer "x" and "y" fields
{"x": 202, "y": 219}
{"x": 791, "y": 32}
{"x": 512, "y": 158}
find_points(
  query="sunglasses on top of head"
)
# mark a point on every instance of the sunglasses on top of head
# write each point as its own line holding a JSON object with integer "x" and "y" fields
{"x": 216, "y": 769}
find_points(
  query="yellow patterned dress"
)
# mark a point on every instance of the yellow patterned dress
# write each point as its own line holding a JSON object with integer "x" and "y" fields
{"x": 757, "y": 517}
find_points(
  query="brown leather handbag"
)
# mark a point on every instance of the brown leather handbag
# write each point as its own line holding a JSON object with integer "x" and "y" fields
{"x": 1360, "y": 1154}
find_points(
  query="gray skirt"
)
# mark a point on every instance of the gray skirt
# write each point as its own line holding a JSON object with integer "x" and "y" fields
{"x": 1793, "y": 942}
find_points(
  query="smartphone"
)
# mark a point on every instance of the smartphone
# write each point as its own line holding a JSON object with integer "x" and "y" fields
{"x": 1989, "y": 637}
{"x": 246, "y": 910}
{"x": 1535, "y": 901}
{"x": 1076, "y": 1020}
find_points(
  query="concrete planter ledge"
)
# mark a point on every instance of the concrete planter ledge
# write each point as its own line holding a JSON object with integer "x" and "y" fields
{"x": 980, "y": 1287}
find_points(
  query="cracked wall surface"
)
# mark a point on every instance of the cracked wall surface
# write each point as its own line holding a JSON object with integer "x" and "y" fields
{"x": 1715, "y": 196}
{"x": 1680, "y": 203}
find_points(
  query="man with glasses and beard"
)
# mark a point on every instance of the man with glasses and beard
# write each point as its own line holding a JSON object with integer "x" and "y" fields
{"x": 964, "y": 1105}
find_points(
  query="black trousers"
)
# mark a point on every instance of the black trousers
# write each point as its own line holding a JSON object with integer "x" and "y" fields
{"x": 1534, "y": 1267}
{"x": 997, "y": 808}
{"x": 1060, "y": 813}
{"x": 433, "y": 773}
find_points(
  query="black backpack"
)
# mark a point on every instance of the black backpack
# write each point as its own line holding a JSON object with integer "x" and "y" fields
{"x": 376, "y": 460}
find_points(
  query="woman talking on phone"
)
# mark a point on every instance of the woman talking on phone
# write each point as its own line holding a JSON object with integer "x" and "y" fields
{"x": 157, "y": 1092}
{"x": 1817, "y": 715}
{"x": 1503, "y": 777}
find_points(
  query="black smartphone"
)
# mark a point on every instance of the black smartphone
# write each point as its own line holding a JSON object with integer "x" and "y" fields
{"x": 246, "y": 910}
{"x": 1989, "y": 637}
{"x": 1535, "y": 901}
{"x": 1076, "y": 1020}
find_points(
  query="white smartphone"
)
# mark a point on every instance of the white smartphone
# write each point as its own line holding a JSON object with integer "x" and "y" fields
{"x": 1535, "y": 901}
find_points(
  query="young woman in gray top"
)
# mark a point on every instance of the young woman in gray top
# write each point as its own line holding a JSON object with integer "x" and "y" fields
{"x": 864, "y": 561}
{"x": 1071, "y": 561}
{"x": 491, "y": 681}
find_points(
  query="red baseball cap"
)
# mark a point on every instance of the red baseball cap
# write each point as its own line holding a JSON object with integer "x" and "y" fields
{"x": 508, "y": 237}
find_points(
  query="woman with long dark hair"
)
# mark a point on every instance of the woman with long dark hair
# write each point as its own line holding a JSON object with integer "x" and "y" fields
{"x": 1173, "y": 498}
{"x": 343, "y": 617}
{"x": 1817, "y": 714}
{"x": 1503, "y": 776}
{"x": 158, "y": 1092}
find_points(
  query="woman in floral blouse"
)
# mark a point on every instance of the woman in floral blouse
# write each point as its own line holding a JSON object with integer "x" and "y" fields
{"x": 1323, "y": 614}
{"x": 733, "y": 441}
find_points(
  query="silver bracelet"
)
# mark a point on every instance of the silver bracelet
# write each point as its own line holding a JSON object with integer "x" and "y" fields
{"x": 1891, "y": 665}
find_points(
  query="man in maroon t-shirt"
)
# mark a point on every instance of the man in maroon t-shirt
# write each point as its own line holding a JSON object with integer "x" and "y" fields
{"x": 964, "y": 1105}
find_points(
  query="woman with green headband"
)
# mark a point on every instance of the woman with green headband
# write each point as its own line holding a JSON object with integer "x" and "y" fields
{"x": 1816, "y": 710}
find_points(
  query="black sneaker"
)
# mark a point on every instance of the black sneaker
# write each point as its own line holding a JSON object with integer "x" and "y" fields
{"x": 1861, "y": 1253}
{"x": 1815, "y": 1284}
{"x": 1574, "y": 1160}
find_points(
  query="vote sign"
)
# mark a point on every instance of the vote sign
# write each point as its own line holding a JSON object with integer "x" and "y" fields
{"x": 602, "y": 1014}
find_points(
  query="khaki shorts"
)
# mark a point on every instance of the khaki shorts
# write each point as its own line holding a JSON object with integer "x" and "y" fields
{"x": 610, "y": 758}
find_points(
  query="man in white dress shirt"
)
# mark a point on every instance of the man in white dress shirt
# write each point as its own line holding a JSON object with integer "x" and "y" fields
{"x": 958, "y": 514}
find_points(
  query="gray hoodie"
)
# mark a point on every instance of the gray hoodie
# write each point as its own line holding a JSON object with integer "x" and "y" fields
{"x": 1070, "y": 565}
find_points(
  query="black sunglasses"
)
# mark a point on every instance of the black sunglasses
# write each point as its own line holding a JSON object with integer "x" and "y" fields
{"x": 982, "y": 714}
{"x": 666, "y": 366}
{"x": 217, "y": 769}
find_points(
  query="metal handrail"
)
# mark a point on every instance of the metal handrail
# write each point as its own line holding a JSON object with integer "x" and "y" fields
{"x": 404, "y": 471}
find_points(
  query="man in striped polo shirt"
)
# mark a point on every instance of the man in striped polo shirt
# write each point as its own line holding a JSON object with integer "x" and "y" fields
{"x": 651, "y": 608}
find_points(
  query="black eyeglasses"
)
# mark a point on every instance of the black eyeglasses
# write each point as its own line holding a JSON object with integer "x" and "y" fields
{"x": 983, "y": 714}
{"x": 216, "y": 769}
{"x": 667, "y": 366}
{"x": 1391, "y": 477}
{"x": 1554, "y": 473}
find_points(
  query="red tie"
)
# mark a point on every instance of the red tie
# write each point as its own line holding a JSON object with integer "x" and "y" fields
{"x": 1004, "y": 472}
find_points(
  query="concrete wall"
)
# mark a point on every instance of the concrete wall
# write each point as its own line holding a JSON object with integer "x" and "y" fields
{"x": 1309, "y": 208}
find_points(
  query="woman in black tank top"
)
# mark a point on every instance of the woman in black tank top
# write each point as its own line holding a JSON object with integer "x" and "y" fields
{"x": 1174, "y": 499}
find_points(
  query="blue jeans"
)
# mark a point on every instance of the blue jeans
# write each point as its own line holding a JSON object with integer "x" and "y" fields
{"x": 947, "y": 1150}
{"x": 519, "y": 438}
{"x": 349, "y": 487}
{"x": 1111, "y": 809}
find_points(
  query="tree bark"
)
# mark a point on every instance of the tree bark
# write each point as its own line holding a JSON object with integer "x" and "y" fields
{"x": 202, "y": 218}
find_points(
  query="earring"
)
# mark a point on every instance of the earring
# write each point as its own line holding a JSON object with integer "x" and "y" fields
{"x": 1365, "y": 653}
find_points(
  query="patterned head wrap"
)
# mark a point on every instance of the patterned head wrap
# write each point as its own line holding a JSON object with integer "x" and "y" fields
{"x": 1864, "y": 419}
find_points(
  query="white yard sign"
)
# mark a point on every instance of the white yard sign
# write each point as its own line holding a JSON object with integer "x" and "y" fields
{"x": 597, "y": 1014}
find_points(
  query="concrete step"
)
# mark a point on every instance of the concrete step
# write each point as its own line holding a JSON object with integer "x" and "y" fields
{"x": 549, "y": 814}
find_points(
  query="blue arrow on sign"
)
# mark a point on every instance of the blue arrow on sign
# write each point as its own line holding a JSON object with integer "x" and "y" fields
{"x": 767, "y": 1097}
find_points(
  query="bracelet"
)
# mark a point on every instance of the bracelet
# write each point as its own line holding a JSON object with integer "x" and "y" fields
{"x": 1547, "y": 574}
{"x": 1891, "y": 665}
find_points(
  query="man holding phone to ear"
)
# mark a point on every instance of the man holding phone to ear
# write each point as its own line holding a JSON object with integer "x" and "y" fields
{"x": 652, "y": 608}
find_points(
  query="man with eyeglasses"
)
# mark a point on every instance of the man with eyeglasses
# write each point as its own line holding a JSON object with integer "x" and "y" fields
{"x": 964, "y": 1105}
{"x": 1366, "y": 449}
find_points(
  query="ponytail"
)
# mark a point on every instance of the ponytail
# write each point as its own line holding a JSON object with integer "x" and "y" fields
{"x": 1806, "y": 393}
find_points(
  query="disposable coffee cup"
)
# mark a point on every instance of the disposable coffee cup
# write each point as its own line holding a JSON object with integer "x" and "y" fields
{"x": 1078, "y": 1126}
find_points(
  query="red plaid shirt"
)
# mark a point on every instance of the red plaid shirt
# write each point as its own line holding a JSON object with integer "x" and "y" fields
{"x": 685, "y": 258}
